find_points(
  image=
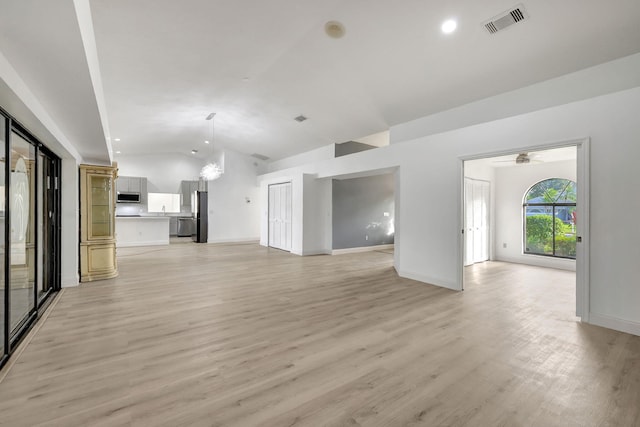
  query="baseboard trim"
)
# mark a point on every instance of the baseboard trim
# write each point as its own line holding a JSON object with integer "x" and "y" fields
{"x": 70, "y": 282}
{"x": 242, "y": 240}
{"x": 144, "y": 243}
{"x": 614, "y": 323}
{"x": 316, "y": 252}
{"x": 428, "y": 280}
{"x": 542, "y": 261}
{"x": 361, "y": 249}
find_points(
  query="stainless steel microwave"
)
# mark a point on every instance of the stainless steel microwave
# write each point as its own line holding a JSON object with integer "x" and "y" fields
{"x": 128, "y": 197}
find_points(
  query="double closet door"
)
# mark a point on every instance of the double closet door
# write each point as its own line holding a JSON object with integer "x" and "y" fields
{"x": 476, "y": 218}
{"x": 280, "y": 216}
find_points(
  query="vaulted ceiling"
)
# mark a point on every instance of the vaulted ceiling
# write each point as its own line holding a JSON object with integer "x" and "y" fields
{"x": 166, "y": 64}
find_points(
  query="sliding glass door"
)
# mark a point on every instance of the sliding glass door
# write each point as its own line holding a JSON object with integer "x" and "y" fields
{"x": 4, "y": 300}
{"x": 29, "y": 233}
{"x": 47, "y": 276}
{"x": 22, "y": 186}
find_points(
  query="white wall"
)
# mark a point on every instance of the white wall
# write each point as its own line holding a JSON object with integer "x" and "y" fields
{"x": 234, "y": 200}
{"x": 70, "y": 223}
{"x": 319, "y": 154}
{"x": 511, "y": 184}
{"x": 379, "y": 139}
{"x": 164, "y": 171}
{"x": 599, "y": 80}
{"x": 430, "y": 182}
{"x": 316, "y": 215}
{"x": 475, "y": 169}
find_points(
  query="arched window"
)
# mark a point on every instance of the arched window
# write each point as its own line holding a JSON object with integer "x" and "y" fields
{"x": 549, "y": 210}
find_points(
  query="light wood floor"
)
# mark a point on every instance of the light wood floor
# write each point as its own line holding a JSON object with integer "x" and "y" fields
{"x": 240, "y": 335}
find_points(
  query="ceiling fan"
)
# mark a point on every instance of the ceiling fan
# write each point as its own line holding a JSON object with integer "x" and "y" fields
{"x": 521, "y": 159}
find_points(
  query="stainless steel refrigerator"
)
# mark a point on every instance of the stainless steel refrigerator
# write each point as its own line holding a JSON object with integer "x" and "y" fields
{"x": 201, "y": 214}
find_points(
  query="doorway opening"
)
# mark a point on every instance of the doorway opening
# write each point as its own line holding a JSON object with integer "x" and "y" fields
{"x": 363, "y": 213}
{"x": 509, "y": 230}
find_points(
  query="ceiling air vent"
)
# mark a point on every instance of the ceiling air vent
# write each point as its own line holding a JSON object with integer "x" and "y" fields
{"x": 260, "y": 156}
{"x": 523, "y": 158}
{"x": 300, "y": 118}
{"x": 506, "y": 19}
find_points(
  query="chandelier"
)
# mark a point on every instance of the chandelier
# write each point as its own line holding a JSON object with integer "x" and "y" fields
{"x": 212, "y": 170}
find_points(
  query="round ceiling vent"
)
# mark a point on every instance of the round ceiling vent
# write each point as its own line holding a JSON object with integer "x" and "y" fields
{"x": 334, "y": 29}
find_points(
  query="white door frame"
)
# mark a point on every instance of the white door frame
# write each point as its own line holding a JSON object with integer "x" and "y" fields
{"x": 582, "y": 212}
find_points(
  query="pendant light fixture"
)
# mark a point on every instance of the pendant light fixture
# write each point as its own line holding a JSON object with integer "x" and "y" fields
{"x": 212, "y": 170}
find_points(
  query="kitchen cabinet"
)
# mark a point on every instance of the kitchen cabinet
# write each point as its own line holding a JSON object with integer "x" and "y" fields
{"x": 122, "y": 184}
{"x": 187, "y": 188}
{"x": 97, "y": 223}
{"x": 133, "y": 184}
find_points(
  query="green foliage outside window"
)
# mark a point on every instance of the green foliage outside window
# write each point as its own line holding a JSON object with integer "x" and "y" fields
{"x": 540, "y": 233}
{"x": 554, "y": 190}
{"x": 566, "y": 245}
{"x": 549, "y": 205}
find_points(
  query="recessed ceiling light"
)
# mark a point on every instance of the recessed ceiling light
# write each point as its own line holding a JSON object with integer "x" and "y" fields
{"x": 194, "y": 151}
{"x": 206, "y": 142}
{"x": 449, "y": 26}
{"x": 117, "y": 152}
{"x": 117, "y": 140}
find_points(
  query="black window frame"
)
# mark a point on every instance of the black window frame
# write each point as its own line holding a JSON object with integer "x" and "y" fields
{"x": 553, "y": 207}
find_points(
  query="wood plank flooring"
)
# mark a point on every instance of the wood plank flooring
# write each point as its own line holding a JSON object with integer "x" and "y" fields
{"x": 241, "y": 335}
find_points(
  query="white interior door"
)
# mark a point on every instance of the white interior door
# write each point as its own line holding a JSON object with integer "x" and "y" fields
{"x": 482, "y": 191}
{"x": 468, "y": 221}
{"x": 476, "y": 215}
{"x": 280, "y": 216}
{"x": 274, "y": 235}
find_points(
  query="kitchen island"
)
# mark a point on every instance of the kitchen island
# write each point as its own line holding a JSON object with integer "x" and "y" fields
{"x": 142, "y": 231}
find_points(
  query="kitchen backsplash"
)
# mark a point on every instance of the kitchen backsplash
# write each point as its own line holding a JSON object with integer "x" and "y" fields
{"x": 130, "y": 209}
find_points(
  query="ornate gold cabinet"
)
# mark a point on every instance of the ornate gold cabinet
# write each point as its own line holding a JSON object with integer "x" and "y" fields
{"x": 97, "y": 223}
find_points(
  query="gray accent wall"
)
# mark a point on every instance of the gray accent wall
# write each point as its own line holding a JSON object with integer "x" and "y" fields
{"x": 359, "y": 207}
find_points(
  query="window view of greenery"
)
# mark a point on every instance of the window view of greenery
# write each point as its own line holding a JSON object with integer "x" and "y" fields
{"x": 550, "y": 218}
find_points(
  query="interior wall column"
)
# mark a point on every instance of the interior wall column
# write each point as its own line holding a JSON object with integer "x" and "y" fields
{"x": 70, "y": 223}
